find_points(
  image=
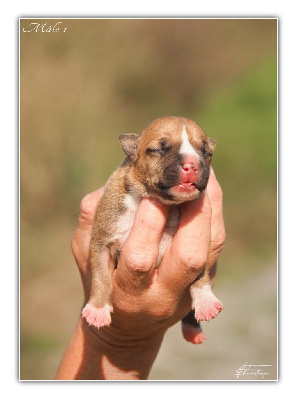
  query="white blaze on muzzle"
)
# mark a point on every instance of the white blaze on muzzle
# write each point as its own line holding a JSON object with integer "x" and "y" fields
{"x": 186, "y": 148}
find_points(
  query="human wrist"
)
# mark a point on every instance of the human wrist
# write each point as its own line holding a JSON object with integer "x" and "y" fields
{"x": 120, "y": 357}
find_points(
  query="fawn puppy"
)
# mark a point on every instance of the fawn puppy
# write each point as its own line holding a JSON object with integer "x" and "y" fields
{"x": 169, "y": 161}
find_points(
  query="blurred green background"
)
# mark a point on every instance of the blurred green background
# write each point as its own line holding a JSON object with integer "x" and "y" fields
{"x": 79, "y": 89}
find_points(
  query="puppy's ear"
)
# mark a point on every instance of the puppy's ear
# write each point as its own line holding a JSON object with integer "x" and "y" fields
{"x": 211, "y": 144}
{"x": 128, "y": 143}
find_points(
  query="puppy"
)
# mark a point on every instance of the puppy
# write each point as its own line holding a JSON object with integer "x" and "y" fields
{"x": 169, "y": 161}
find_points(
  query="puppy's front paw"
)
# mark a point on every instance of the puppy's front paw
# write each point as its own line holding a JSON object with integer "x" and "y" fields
{"x": 207, "y": 308}
{"x": 97, "y": 316}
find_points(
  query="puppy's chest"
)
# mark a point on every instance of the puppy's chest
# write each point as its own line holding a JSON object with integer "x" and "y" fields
{"x": 125, "y": 221}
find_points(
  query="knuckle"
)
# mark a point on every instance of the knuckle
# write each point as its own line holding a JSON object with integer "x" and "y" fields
{"x": 140, "y": 262}
{"x": 220, "y": 238}
{"x": 139, "y": 259}
{"x": 194, "y": 263}
{"x": 216, "y": 248}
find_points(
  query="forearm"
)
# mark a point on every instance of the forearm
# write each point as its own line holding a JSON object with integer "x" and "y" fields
{"x": 73, "y": 364}
{"x": 90, "y": 356}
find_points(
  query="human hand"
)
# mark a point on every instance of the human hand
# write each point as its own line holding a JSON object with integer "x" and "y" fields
{"x": 199, "y": 239}
{"x": 146, "y": 301}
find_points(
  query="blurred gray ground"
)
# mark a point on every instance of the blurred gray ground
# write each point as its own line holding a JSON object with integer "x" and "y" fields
{"x": 233, "y": 338}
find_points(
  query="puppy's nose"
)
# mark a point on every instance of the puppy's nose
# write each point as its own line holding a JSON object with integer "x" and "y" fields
{"x": 190, "y": 164}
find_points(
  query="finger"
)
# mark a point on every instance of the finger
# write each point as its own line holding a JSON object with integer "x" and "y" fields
{"x": 81, "y": 238}
{"x": 140, "y": 251}
{"x": 215, "y": 195}
{"x": 88, "y": 209}
{"x": 187, "y": 257}
{"x": 218, "y": 234}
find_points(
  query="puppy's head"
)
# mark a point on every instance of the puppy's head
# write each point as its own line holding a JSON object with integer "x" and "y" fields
{"x": 170, "y": 159}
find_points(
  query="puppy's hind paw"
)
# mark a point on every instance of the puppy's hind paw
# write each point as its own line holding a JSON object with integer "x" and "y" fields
{"x": 97, "y": 316}
{"x": 207, "y": 309}
{"x": 193, "y": 334}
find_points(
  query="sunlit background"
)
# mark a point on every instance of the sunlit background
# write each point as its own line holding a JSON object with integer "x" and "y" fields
{"x": 83, "y": 86}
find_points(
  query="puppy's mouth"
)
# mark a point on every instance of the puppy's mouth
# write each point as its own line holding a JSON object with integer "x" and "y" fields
{"x": 188, "y": 177}
{"x": 185, "y": 187}
{"x": 182, "y": 183}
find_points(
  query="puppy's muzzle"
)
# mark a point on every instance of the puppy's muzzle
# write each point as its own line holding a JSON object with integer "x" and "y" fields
{"x": 189, "y": 171}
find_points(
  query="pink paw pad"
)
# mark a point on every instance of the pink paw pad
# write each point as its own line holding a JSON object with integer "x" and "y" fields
{"x": 193, "y": 334}
{"x": 209, "y": 309}
{"x": 96, "y": 316}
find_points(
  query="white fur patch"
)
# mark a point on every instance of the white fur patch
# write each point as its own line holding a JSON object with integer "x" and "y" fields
{"x": 132, "y": 201}
{"x": 186, "y": 147}
{"x": 125, "y": 221}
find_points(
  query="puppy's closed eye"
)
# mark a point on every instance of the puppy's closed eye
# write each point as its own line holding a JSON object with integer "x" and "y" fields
{"x": 161, "y": 150}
